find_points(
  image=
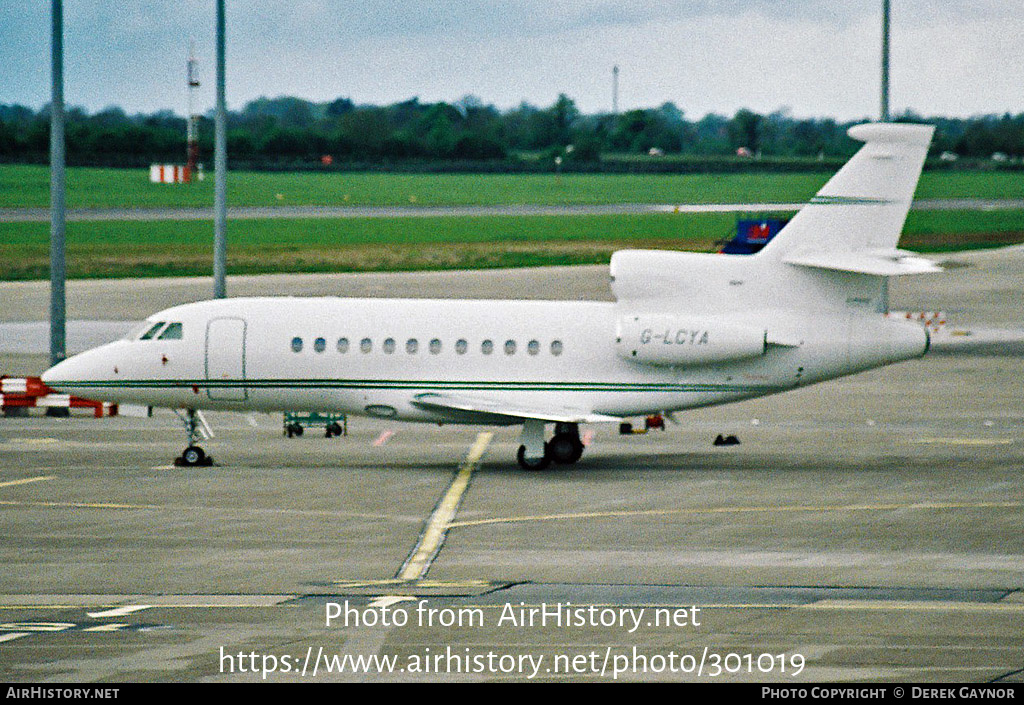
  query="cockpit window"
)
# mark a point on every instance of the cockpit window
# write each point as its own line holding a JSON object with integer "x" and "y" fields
{"x": 172, "y": 332}
{"x": 151, "y": 333}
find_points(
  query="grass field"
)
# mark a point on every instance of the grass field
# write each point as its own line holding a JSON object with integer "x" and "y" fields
{"x": 174, "y": 248}
{"x": 28, "y": 186}
{"x": 168, "y": 248}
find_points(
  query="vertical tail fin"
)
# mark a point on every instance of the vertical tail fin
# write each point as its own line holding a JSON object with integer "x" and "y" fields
{"x": 863, "y": 207}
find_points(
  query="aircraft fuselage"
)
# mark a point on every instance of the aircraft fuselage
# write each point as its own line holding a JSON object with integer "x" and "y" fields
{"x": 377, "y": 356}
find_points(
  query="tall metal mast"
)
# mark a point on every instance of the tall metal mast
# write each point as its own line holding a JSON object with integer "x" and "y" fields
{"x": 192, "y": 139}
{"x": 220, "y": 164}
{"x": 615, "y": 89}
{"x": 57, "y": 263}
{"x": 884, "y": 112}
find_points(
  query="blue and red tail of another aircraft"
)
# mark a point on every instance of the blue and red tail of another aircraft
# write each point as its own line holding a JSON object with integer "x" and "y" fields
{"x": 752, "y": 235}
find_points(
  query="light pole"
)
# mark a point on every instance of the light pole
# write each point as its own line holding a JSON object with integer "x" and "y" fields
{"x": 885, "y": 61}
{"x": 615, "y": 89}
{"x": 220, "y": 165}
{"x": 57, "y": 262}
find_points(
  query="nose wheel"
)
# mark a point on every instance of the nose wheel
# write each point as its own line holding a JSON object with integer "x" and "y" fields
{"x": 193, "y": 455}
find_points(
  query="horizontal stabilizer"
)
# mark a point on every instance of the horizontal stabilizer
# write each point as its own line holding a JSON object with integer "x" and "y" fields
{"x": 491, "y": 408}
{"x": 880, "y": 263}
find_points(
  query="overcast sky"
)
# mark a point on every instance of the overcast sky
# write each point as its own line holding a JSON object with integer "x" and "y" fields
{"x": 816, "y": 58}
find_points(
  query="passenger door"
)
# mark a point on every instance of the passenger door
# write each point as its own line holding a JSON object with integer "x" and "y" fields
{"x": 225, "y": 359}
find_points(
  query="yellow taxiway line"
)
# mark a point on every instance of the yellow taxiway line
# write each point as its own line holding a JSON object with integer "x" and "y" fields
{"x": 739, "y": 510}
{"x": 418, "y": 563}
{"x": 26, "y": 480}
{"x": 913, "y": 606}
{"x": 77, "y": 505}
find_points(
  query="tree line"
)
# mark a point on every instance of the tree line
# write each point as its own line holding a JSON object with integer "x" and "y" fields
{"x": 289, "y": 132}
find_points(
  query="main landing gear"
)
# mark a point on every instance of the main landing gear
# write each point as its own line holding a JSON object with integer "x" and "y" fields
{"x": 193, "y": 455}
{"x": 564, "y": 448}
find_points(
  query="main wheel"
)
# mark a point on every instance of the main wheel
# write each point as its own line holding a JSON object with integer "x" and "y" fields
{"x": 564, "y": 449}
{"x": 532, "y": 463}
{"x": 193, "y": 456}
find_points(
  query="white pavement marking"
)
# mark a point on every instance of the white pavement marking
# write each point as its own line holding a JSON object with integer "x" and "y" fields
{"x": 387, "y": 600}
{"x": 112, "y": 627}
{"x": 118, "y": 611}
{"x": 11, "y": 636}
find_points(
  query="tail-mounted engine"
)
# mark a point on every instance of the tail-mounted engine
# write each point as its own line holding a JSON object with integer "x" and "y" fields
{"x": 664, "y": 339}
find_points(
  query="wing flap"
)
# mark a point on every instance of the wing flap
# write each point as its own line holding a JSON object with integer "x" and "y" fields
{"x": 489, "y": 409}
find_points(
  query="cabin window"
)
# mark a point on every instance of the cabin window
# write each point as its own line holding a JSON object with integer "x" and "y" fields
{"x": 461, "y": 346}
{"x": 435, "y": 346}
{"x": 510, "y": 347}
{"x": 296, "y": 344}
{"x": 365, "y": 345}
{"x": 343, "y": 345}
{"x": 487, "y": 347}
{"x": 556, "y": 347}
{"x": 411, "y": 346}
{"x": 149, "y": 334}
{"x": 319, "y": 345}
{"x": 533, "y": 347}
{"x": 172, "y": 332}
{"x": 388, "y": 346}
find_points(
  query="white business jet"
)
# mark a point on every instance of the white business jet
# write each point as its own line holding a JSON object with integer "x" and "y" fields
{"x": 686, "y": 330}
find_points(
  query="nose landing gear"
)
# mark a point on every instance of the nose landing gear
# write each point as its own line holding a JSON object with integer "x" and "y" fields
{"x": 193, "y": 455}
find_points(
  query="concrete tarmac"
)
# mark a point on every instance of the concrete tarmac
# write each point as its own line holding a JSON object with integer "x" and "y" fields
{"x": 865, "y": 530}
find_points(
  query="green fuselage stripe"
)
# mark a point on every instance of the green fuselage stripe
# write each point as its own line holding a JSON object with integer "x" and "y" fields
{"x": 665, "y": 387}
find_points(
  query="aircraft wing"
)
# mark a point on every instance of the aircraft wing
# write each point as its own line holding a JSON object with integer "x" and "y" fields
{"x": 883, "y": 263}
{"x": 497, "y": 411}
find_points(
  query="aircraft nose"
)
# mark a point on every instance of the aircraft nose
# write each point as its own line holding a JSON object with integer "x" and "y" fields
{"x": 70, "y": 374}
{"x": 56, "y": 374}
{"x": 62, "y": 373}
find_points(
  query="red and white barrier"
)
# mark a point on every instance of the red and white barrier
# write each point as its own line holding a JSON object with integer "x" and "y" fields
{"x": 169, "y": 174}
{"x": 30, "y": 392}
